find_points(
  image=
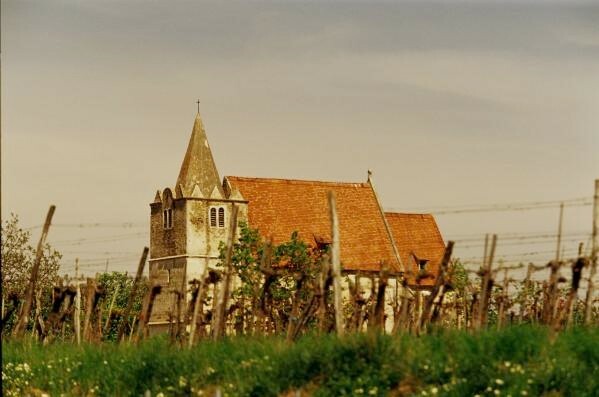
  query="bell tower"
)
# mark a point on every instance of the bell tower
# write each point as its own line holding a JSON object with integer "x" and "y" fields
{"x": 188, "y": 224}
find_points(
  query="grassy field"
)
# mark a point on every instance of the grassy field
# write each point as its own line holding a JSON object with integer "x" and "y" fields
{"x": 515, "y": 361}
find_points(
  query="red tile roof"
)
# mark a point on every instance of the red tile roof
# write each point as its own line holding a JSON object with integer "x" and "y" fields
{"x": 417, "y": 236}
{"x": 278, "y": 207}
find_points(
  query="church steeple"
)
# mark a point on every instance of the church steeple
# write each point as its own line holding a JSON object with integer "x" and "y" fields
{"x": 198, "y": 166}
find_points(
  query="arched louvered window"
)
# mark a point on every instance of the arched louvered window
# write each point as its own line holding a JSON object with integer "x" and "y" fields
{"x": 213, "y": 217}
{"x": 167, "y": 218}
{"x": 221, "y": 217}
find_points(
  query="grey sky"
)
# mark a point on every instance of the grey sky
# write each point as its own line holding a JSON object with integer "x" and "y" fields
{"x": 449, "y": 103}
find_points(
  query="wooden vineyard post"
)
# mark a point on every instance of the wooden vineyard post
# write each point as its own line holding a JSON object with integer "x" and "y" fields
{"x": 402, "y": 322}
{"x": 223, "y": 292}
{"x": 325, "y": 281}
{"x": 379, "y": 309}
{"x": 551, "y": 293}
{"x": 527, "y": 288}
{"x": 336, "y": 264}
{"x": 31, "y": 288}
{"x": 132, "y": 329}
{"x": 269, "y": 278}
{"x": 77, "y": 316}
{"x": 196, "y": 308}
{"x": 559, "y": 232}
{"x": 439, "y": 282}
{"x": 294, "y": 318}
{"x": 503, "y": 302}
{"x": 594, "y": 254}
{"x": 146, "y": 311}
{"x": 114, "y": 295}
{"x": 486, "y": 286}
{"x": 565, "y": 314}
{"x": 89, "y": 301}
{"x": 140, "y": 269}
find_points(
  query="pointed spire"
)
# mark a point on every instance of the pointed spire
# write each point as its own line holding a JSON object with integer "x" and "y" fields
{"x": 198, "y": 165}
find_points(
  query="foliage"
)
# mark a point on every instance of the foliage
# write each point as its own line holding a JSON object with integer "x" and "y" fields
{"x": 18, "y": 257}
{"x": 458, "y": 275}
{"x": 121, "y": 284}
{"x": 519, "y": 360}
{"x": 294, "y": 262}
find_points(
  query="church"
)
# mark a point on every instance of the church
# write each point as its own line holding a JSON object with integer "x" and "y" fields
{"x": 189, "y": 221}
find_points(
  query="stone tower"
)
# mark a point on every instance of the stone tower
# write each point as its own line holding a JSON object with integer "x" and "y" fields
{"x": 188, "y": 224}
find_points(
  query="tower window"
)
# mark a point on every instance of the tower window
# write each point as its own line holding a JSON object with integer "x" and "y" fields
{"x": 213, "y": 217}
{"x": 422, "y": 264}
{"x": 221, "y": 217}
{"x": 167, "y": 218}
{"x": 217, "y": 217}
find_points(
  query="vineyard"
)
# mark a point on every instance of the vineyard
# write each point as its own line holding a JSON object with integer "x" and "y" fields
{"x": 285, "y": 319}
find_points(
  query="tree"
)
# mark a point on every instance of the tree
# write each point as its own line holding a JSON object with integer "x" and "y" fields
{"x": 295, "y": 265}
{"x": 18, "y": 257}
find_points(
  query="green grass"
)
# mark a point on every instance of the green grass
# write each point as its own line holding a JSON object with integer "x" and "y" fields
{"x": 515, "y": 361}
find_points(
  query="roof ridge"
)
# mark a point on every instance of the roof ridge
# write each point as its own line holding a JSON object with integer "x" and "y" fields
{"x": 393, "y": 213}
{"x": 297, "y": 181}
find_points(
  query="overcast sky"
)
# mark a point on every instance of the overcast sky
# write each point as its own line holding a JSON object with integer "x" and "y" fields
{"x": 449, "y": 103}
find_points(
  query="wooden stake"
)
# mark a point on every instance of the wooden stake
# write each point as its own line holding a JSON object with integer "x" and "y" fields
{"x": 196, "y": 308}
{"x": 325, "y": 282}
{"x": 439, "y": 281}
{"x": 294, "y": 317}
{"x": 146, "y": 312}
{"x": 31, "y": 288}
{"x": 140, "y": 269}
{"x": 223, "y": 293}
{"x": 486, "y": 286}
{"x": 551, "y": 293}
{"x": 77, "y": 316}
{"x": 566, "y": 312}
{"x": 379, "y": 308}
{"x": 503, "y": 302}
{"x": 90, "y": 301}
{"x": 336, "y": 264}
{"x": 114, "y": 295}
{"x": 594, "y": 254}
{"x": 559, "y": 232}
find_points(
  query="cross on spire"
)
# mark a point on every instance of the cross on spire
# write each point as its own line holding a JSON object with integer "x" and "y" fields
{"x": 198, "y": 102}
